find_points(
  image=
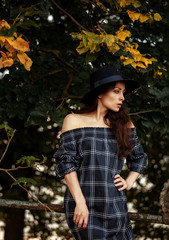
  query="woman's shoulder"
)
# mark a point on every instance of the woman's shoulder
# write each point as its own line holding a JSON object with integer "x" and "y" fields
{"x": 130, "y": 125}
{"x": 71, "y": 121}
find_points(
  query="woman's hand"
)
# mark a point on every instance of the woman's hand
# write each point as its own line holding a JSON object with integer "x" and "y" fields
{"x": 121, "y": 181}
{"x": 81, "y": 214}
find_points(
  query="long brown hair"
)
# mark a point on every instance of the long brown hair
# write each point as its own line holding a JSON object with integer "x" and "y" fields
{"x": 119, "y": 121}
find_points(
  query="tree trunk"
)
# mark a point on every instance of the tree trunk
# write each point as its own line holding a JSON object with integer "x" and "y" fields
{"x": 14, "y": 224}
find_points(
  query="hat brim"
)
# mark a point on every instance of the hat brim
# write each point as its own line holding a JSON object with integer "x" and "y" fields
{"x": 130, "y": 86}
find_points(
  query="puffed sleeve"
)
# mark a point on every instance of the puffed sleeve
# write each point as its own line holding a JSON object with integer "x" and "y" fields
{"x": 67, "y": 156}
{"x": 137, "y": 159}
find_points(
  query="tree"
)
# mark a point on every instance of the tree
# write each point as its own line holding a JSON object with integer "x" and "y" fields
{"x": 35, "y": 102}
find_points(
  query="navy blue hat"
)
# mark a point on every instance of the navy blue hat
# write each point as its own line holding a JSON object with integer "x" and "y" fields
{"x": 105, "y": 76}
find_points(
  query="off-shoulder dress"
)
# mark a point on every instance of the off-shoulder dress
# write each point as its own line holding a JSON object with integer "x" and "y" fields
{"x": 93, "y": 153}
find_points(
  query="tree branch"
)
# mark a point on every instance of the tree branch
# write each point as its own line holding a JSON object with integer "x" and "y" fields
{"x": 67, "y": 14}
{"x": 55, "y": 52}
{"x": 46, "y": 75}
{"x": 9, "y": 140}
{"x": 146, "y": 111}
{"x": 32, "y": 196}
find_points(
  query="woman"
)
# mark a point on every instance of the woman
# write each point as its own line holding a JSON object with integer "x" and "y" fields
{"x": 95, "y": 142}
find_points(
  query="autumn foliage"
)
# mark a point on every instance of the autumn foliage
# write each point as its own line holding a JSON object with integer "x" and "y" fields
{"x": 92, "y": 42}
{"x": 13, "y": 49}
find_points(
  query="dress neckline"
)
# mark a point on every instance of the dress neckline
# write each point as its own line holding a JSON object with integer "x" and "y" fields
{"x": 85, "y": 128}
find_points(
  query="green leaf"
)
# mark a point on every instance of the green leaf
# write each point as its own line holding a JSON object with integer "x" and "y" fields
{"x": 7, "y": 128}
{"x": 29, "y": 160}
{"x": 99, "y": 4}
{"x": 44, "y": 159}
{"x": 30, "y": 11}
{"x": 28, "y": 24}
{"x": 27, "y": 182}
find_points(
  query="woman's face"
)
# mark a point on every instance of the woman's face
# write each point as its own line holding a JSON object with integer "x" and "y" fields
{"x": 114, "y": 97}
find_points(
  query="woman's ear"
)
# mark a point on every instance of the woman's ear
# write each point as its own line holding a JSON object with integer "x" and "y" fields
{"x": 99, "y": 96}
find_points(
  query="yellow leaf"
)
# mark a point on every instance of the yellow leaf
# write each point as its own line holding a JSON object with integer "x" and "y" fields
{"x": 137, "y": 57}
{"x": 143, "y": 18}
{"x": 9, "y": 54}
{"x": 90, "y": 34}
{"x": 133, "y": 15}
{"x": 136, "y": 3}
{"x": 120, "y": 44}
{"x": 21, "y": 45}
{"x": 8, "y": 46}
{"x": 113, "y": 48}
{"x": 149, "y": 16}
{"x": 146, "y": 61}
{"x": 13, "y": 49}
{"x": 153, "y": 59}
{"x": 97, "y": 39}
{"x": 135, "y": 45}
{"x": 3, "y": 23}
{"x": 8, "y": 62}
{"x": 121, "y": 28}
{"x": 25, "y": 60}
{"x": 162, "y": 68}
{"x": 128, "y": 61}
{"x": 101, "y": 6}
{"x": 122, "y": 35}
{"x": 122, "y": 57}
{"x": 159, "y": 73}
{"x": 76, "y": 35}
{"x": 157, "y": 17}
{"x": 81, "y": 48}
{"x": 1, "y": 64}
{"x": 133, "y": 51}
{"x": 15, "y": 34}
{"x": 85, "y": 41}
{"x": 134, "y": 65}
{"x": 128, "y": 2}
{"x": 122, "y": 3}
{"x": 94, "y": 48}
{"x": 3, "y": 54}
{"x": 109, "y": 39}
{"x": 2, "y": 39}
{"x": 140, "y": 64}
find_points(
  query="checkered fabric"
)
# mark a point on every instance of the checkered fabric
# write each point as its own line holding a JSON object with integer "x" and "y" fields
{"x": 92, "y": 153}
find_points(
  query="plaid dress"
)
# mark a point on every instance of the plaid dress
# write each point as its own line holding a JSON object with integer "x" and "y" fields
{"x": 92, "y": 153}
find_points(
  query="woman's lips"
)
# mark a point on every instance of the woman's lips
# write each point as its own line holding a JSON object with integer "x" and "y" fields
{"x": 119, "y": 105}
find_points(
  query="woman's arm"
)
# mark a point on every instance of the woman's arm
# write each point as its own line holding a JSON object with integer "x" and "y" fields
{"x": 128, "y": 183}
{"x": 74, "y": 187}
{"x": 81, "y": 212}
{"x": 131, "y": 178}
{"x": 133, "y": 175}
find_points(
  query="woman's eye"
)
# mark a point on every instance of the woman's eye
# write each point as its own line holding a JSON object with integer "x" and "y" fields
{"x": 116, "y": 91}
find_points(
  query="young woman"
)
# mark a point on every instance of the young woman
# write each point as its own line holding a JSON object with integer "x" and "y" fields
{"x": 94, "y": 143}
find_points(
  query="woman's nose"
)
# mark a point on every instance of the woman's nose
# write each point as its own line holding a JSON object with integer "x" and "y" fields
{"x": 122, "y": 97}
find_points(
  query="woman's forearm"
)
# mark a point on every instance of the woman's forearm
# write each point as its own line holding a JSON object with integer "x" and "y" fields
{"x": 74, "y": 187}
{"x": 131, "y": 178}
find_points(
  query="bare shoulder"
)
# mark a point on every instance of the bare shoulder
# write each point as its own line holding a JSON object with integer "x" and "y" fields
{"x": 70, "y": 122}
{"x": 130, "y": 125}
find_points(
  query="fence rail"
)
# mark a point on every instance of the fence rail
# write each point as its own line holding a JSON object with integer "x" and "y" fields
{"x": 149, "y": 218}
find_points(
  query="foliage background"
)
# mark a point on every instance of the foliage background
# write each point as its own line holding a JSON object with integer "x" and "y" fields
{"x": 35, "y": 103}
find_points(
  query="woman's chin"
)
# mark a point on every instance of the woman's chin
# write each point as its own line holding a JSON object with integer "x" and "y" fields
{"x": 115, "y": 109}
